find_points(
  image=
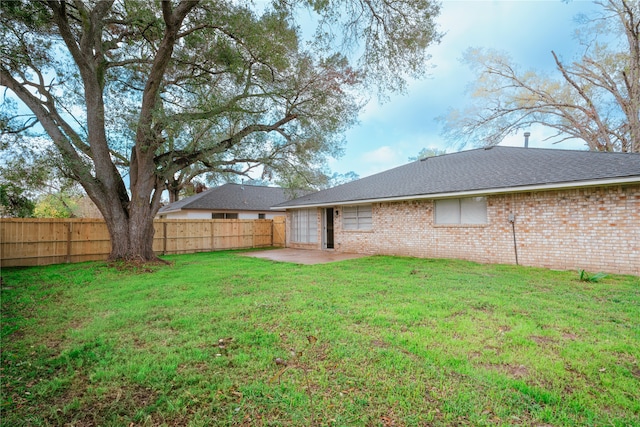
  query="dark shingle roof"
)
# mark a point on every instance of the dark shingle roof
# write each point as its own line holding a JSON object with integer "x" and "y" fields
{"x": 237, "y": 197}
{"x": 481, "y": 170}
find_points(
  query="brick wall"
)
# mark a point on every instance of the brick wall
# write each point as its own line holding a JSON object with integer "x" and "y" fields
{"x": 596, "y": 229}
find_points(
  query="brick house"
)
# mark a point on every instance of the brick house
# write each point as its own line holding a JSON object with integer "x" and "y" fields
{"x": 229, "y": 201}
{"x": 557, "y": 209}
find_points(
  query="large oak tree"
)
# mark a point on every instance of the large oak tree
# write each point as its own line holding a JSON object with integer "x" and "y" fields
{"x": 140, "y": 92}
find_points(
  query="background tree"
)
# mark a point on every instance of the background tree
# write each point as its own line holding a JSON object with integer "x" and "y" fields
{"x": 13, "y": 202}
{"x": 213, "y": 84}
{"x": 58, "y": 205}
{"x": 595, "y": 98}
{"x": 32, "y": 169}
{"x": 427, "y": 152}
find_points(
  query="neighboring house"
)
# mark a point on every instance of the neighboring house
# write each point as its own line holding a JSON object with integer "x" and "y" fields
{"x": 229, "y": 201}
{"x": 538, "y": 207}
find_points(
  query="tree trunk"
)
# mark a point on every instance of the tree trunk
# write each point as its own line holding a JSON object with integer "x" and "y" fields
{"x": 174, "y": 187}
{"x": 131, "y": 231}
{"x": 174, "y": 196}
{"x": 133, "y": 240}
{"x": 141, "y": 232}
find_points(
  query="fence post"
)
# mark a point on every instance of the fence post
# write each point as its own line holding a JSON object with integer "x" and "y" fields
{"x": 69, "y": 231}
{"x": 164, "y": 238}
{"x": 213, "y": 234}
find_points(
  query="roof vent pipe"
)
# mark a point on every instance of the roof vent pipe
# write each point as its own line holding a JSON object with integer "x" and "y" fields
{"x": 526, "y": 139}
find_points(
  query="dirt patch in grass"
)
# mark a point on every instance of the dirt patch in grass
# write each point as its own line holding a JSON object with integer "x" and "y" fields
{"x": 542, "y": 340}
{"x": 474, "y": 355}
{"x": 492, "y": 348}
{"x": 81, "y": 407}
{"x": 456, "y": 314}
{"x": 379, "y": 344}
{"x": 200, "y": 367}
{"x": 514, "y": 371}
{"x": 390, "y": 419}
{"x": 136, "y": 266}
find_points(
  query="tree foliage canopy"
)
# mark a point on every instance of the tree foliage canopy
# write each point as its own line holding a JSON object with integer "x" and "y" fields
{"x": 596, "y": 98}
{"x": 151, "y": 91}
{"x": 426, "y": 153}
{"x": 14, "y": 202}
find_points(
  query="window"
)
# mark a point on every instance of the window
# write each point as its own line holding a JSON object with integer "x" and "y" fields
{"x": 470, "y": 210}
{"x": 304, "y": 226}
{"x": 224, "y": 215}
{"x": 356, "y": 217}
{"x": 261, "y": 216}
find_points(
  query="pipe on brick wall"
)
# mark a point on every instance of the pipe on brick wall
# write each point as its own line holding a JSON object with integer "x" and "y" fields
{"x": 512, "y": 220}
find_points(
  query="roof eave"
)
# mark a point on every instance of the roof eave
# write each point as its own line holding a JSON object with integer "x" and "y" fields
{"x": 480, "y": 192}
{"x": 224, "y": 210}
{"x": 168, "y": 211}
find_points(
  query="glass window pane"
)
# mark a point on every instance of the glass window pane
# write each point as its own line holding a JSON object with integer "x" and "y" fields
{"x": 304, "y": 226}
{"x": 364, "y": 211}
{"x": 313, "y": 226}
{"x": 473, "y": 210}
{"x": 448, "y": 211}
{"x": 356, "y": 217}
{"x": 365, "y": 218}
{"x": 350, "y": 212}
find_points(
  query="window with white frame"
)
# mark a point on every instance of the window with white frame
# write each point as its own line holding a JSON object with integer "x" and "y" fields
{"x": 304, "y": 226}
{"x": 357, "y": 217}
{"x": 224, "y": 215}
{"x": 468, "y": 210}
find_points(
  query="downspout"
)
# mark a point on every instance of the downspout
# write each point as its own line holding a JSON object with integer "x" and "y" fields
{"x": 512, "y": 220}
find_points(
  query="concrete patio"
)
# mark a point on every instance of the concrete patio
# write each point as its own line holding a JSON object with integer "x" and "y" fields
{"x": 302, "y": 256}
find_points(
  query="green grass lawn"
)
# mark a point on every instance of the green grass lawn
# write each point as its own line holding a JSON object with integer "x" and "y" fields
{"x": 222, "y": 339}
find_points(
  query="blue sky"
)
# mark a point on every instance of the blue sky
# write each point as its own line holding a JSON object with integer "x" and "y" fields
{"x": 528, "y": 30}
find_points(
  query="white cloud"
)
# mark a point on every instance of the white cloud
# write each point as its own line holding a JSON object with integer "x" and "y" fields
{"x": 380, "y": 159}
{"x": 379, "y": 155}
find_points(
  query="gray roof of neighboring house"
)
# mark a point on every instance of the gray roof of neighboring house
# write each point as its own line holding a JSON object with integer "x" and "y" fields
{"x": 482, "y": 171}
{"x": 233, "y": 197}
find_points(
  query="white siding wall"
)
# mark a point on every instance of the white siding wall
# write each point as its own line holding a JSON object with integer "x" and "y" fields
{"x": 193, "y": 214}
{"x": 254, "y": 215}
{"x": 188, "y": 215}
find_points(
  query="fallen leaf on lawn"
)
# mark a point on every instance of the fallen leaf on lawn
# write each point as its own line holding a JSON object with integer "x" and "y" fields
{"x": 278, "y": 374}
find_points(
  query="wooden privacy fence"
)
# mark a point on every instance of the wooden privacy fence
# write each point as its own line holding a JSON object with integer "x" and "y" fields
{"x": 26, "y": 242}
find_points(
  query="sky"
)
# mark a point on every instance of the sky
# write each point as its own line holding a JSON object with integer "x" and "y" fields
{"x": 527, "y": 30}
